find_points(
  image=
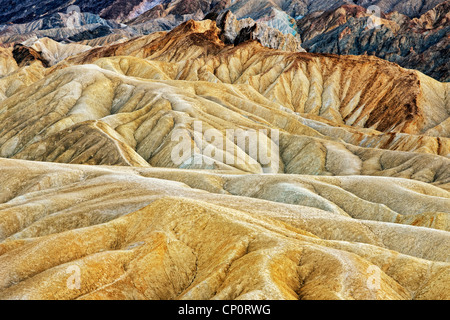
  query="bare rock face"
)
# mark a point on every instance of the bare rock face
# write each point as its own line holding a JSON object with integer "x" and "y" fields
{"x": 420, "y": 43}
{"x": 238, "y": 31}
{"x": 16, "y": 80}
{"x": 89, "y": 142}
{"x": 120, "y": 10}
{"x": 410, "y": 8}
{"x": 353, "y": 204}
{"x": 28, "y": 11}
{"x": 395, "y": 105}
{"x": 62, "y": 27}
{"x": 412, "y": 34}
{"x": 25, "y": 55}
{"x": 319, "y": 23}
{"x": 53, "y": 51}
{"x": 7, "y": 62}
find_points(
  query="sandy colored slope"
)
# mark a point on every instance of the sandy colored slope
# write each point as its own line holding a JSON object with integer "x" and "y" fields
{"x": 361, "y": 91}
{"x": 54, "y": 51}
{"x": 89, "y": 142}
{"x": 21, "y": 78}
{"x": 345, "y": 93}
{"x": 40, "y": 123}
{"x": 354, "y": 203}
{"x": 118, "y": 224}
{"x": 335, "y": 96}
{"x": 435, "y": 143}
{"x": 7, "y": 62}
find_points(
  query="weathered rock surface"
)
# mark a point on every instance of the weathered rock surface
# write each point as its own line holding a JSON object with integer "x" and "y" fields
{"x": 237, "y": 31}
{"x": 120, "y": 10}
{"x": 279, "y": 14}
{"x": 413, "y": 33}
{"x": 7, "y": 62}
{"x": 335, "y": 87}
{"x": 124, "y": 92}
{"x": 59, "y": 26}
{"x": 20, "y": 12}
{"x": 24, "y": 56}
{"x": 152, "y": 234}
{"x": 355, "y": 205}
{"x": 20, "y": 78}
{"x": 411, "y": 8}
{"x": 421, "y": 43}
{"x": 53, "y": 51}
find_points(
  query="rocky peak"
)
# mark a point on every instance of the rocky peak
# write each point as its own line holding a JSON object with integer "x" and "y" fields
{"x": 25, "y": 56}
{"x": 236, "y": 31}
{"x": 438, "y": 17}
{"x": 419, "y": 43}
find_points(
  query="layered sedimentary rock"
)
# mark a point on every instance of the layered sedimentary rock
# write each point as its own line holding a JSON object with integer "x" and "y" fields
{"x": 112, "y": 233}
{"x": 195, "y": 52}
{"x": 20, "y": 78}
{"x": 7, "y": 62}
{"x": 145, "y": 114}
{"x": 119, "y": 10}
{"x": 421, "y": 43}
{"x": 336, "y": 88}
{"x": 411, "y": 8}
{"x": 296, "y": 8}
{"x": 277, "y": 14}
{"x": 27, "y": 11}
{"x": 24, "y": 56}
{"x": 53, "y": 51}
{"x": 347, "y": 196}
{"x": 237, "y": 31}
{"x": 412, "y": 33}
{"x": 74, "y": 26}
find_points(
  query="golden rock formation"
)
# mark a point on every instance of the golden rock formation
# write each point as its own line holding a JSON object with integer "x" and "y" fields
{"x": 153, "y": 234}
{"x": 53, "y": 51}
{"x": 353, "y": 204}
{"x": 7, "y": 62}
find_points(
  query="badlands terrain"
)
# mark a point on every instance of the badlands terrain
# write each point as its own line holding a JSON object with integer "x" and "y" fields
{"x": 344, "y": 195}
{"x": 412, "y": 33}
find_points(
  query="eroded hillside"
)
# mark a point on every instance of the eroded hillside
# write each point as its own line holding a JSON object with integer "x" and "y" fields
{"x": 352, "y": 204}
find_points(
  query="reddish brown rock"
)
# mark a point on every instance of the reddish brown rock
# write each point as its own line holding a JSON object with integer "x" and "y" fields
{"x": 26, "y": 55}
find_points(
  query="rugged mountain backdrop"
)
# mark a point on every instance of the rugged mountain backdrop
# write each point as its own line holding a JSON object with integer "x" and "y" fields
{"x": 26, "y": 11}
{"x": 421, "y": 43}
{"x": 413, "y": 34}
